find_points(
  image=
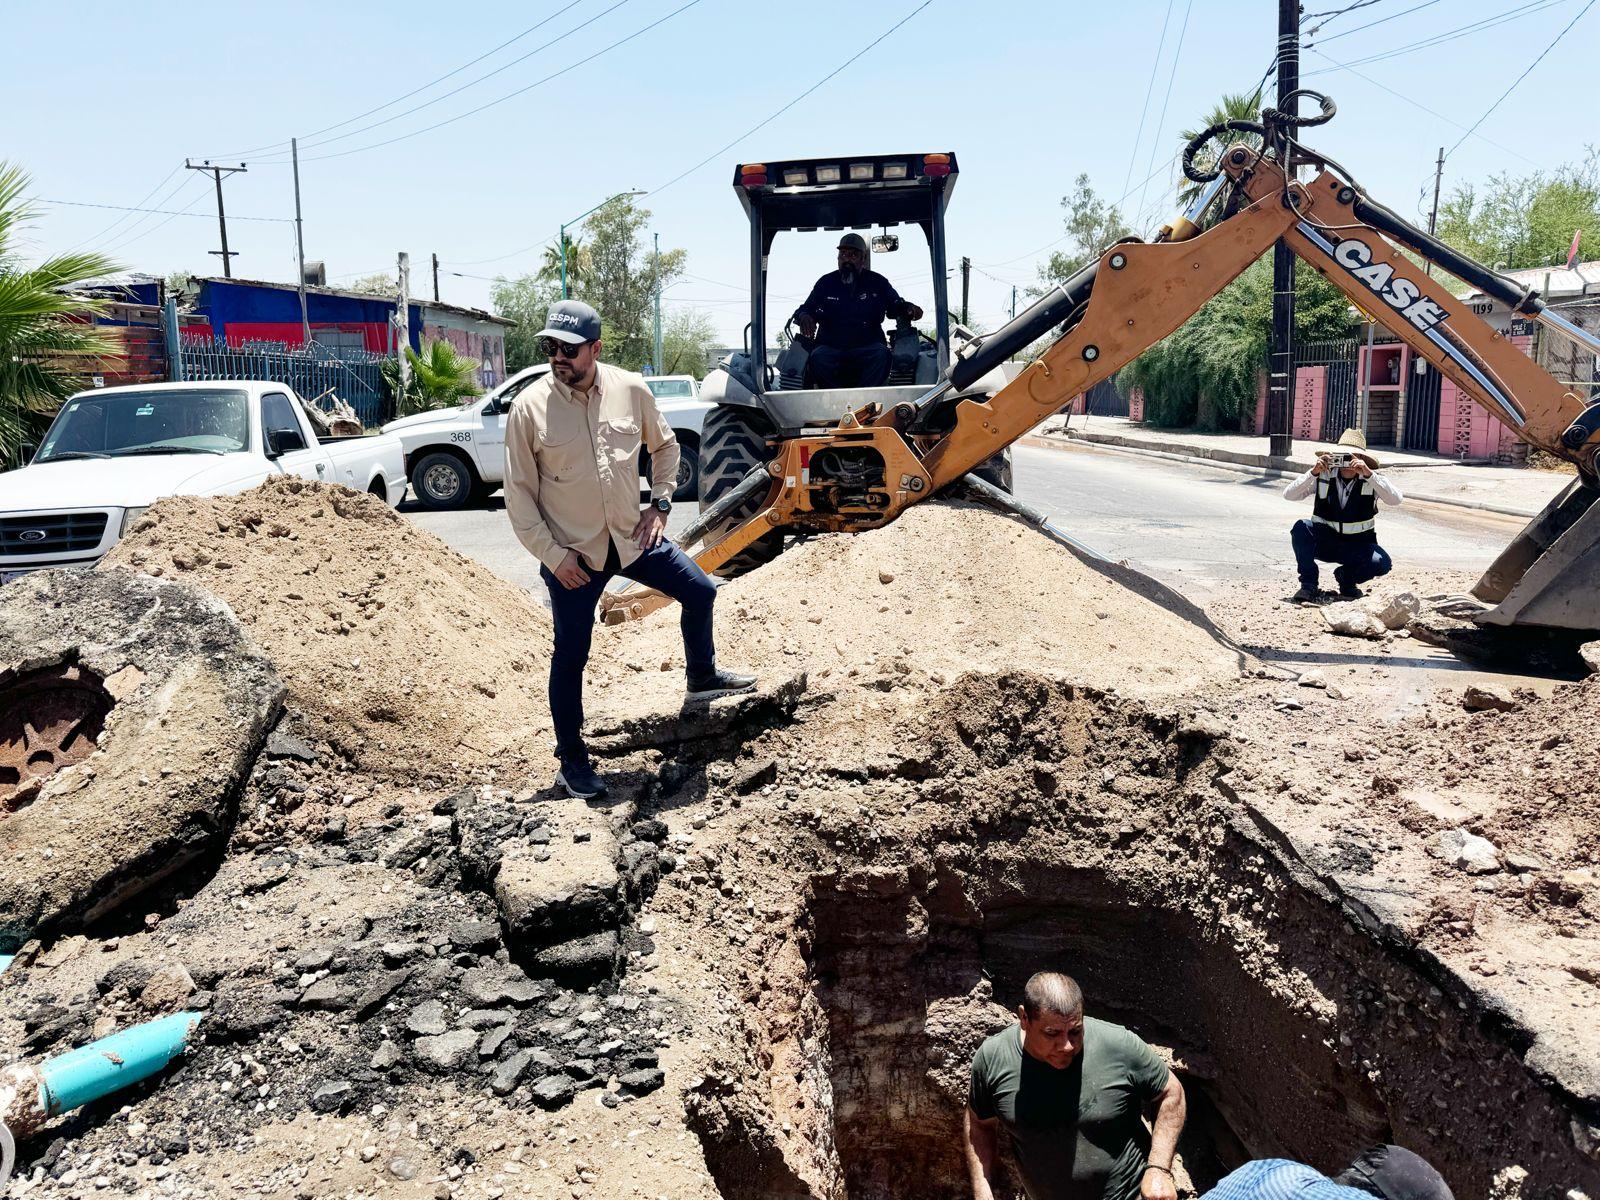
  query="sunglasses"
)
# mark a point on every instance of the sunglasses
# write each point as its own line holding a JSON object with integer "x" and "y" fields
{"x": 568, "y": 350}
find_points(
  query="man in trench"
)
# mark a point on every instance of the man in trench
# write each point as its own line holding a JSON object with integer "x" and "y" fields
{"x": 1070, "y": 1092}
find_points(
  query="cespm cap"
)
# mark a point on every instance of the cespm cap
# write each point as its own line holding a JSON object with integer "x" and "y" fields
{"x": 571, "y": 321}
{"x": 853, "y": 241}
{"x": 1395, "y": 1173}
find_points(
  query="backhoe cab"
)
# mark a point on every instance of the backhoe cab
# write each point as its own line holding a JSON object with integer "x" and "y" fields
{"x": 759, "y": 405}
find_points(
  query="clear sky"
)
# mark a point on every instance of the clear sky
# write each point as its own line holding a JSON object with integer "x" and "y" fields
{"x": 103, "y": 102}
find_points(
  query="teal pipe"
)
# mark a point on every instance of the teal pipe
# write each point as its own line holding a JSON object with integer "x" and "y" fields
{"x": 79, "y": 1076}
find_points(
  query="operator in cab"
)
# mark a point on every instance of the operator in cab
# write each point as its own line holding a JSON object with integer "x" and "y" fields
{"x": 850, "y": 306}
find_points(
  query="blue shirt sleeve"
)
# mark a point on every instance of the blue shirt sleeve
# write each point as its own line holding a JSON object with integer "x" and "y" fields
{"x": 813, "y": 303}
{"x": 1280, "y": 1179}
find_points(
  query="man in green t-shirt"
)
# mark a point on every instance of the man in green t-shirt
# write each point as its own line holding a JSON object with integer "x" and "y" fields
{"x": 1070, "y": 1092}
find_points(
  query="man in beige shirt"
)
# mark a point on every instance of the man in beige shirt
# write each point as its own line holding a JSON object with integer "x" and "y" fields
{"x": 572, "y": 493}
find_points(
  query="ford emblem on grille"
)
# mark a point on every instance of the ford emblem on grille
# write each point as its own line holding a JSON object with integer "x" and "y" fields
{"x": 32, "y": 535}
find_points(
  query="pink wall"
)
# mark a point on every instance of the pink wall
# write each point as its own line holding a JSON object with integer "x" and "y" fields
{"x": 1310, "y": 391}
{"x": 1466, "y": 430}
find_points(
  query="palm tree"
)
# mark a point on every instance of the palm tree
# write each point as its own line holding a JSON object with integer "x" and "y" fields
{"x": 579, "y": 262}
{"x": 440, "y": 377}
{"x": 1234, "y": 106}
{"x": 41, "y": 323}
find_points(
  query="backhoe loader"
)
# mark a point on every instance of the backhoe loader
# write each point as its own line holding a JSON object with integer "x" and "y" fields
{"x": 864, "y": 470}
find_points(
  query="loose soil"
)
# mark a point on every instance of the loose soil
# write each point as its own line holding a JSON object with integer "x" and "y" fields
{"x": 821, "y": 899}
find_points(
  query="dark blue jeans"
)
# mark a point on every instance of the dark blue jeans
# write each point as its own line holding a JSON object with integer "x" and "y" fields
{"x": 665, "y": 568}
{"x": 1359, "y": 559}
{"x": 860, "y": 366}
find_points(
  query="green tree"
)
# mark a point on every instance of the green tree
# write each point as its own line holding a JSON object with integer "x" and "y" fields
{"x": 1234, "y": 106}
{"x": 579, "y": 263}
{"x": 525, "y": 300}
{"x": 687, "y": 338}
{"x": 1206, "y": 373}
{"x": 440, "y": 377}
{"x": 1524, "y": 221}
{"x": 1092, "y": 225}
{"x": 380, "y": 284}
{"x": 622, "y": 278}
{"x": 42, "y": 324}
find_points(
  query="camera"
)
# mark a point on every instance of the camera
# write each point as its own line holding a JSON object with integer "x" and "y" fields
{"x": 1339, "y": 461}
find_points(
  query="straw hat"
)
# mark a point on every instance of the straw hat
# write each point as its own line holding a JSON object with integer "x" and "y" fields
{"x": 1354, "y": 439}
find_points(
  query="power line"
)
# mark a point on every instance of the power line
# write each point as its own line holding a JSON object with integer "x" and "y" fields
{"x": 1521, "y": 77}
{"x": 168, "y": 212}
{"x": 470, "y": 83}
{"x": 509, "y": 95}
{"x": 1403, "y": 12}
{"x": 1335, "y": 14}
{"x": 139, "y": 237}
{"x": 1177, "y": 55}
{"x": 1149, "y": 89}
{"x": 774, "y": 116}
{"x": 95, "y": 237}
{"x": 1462, "y": 31}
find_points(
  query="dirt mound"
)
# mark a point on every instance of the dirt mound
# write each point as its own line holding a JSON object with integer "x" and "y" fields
{"x": 948, "y": 588}
{"x": 396, "y": 649}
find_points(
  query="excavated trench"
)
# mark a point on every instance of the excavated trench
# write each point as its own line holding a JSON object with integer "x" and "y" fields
{"x": 1059, "y": 828}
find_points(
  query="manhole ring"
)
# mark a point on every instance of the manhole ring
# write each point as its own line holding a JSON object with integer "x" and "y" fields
{"x": 49, "y": 719}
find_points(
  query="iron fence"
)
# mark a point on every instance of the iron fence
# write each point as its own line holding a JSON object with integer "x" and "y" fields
{"x": 1341, "y": 396}
{"x": 355, "y": 376}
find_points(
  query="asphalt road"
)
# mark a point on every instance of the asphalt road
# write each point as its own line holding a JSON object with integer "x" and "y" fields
{"x": 1192, "y": 527}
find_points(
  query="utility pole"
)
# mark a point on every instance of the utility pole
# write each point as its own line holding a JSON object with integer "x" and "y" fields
{"x": 1433, "y": 215}
{"x": 657, "y": 269}
{"x": 403, "y": 323}
{"x": 299, "y": 245}
{"x": 1280, "y": 361}
{"x": 222, "y": 219}
{"x": 966, "y": 280}
{"x": 1013, "y": 302}
{"x": 436, "y": 278}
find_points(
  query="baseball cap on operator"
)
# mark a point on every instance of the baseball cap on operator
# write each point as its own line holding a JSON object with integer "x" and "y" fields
{"x": 571, "y": 321}
{"x": 853, "y": 241}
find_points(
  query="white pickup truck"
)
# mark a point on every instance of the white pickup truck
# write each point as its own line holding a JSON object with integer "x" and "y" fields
{"x": 457, "y": 455}
{"x": 112, "y": 452}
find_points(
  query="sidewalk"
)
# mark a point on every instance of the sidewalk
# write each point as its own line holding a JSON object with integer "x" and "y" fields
{"x": 1431, "y": 478}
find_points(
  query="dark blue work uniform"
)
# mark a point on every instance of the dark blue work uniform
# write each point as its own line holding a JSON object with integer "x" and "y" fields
{"x": 851, "y": 350}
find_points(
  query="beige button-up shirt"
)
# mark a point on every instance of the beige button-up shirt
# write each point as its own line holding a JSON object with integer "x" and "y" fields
{"x": 572, "y": 465}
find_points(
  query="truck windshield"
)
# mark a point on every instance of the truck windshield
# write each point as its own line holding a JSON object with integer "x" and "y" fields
{"x": 179, "y": 421}
{"x": 671, "y": 388}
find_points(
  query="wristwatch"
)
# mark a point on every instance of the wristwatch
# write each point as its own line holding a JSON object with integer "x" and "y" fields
{"x": 662, "y": 505}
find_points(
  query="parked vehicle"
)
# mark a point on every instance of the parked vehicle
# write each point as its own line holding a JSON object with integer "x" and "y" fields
{"x": 112, "y": 452}
{"x": 457, "y": 456}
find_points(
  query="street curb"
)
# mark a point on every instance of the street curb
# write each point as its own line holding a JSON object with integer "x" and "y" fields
{"x": 1279, "y": 472}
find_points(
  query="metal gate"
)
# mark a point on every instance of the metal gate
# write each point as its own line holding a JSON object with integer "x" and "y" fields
{"x": 1422, "y": 411}
{"x": 1341, "y": 401}
{"x": 1105, "y": 399}
{"x": 353, "y": 375}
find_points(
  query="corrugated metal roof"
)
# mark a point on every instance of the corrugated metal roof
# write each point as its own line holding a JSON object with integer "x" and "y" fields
{"x": 1556, "y": 283}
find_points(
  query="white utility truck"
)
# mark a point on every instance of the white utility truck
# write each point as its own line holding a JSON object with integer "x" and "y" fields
{"x": 457, "y": 455}
{"x": 112, "y": 452}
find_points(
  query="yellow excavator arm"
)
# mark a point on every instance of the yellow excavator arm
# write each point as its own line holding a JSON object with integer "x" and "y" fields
{"x": 875, "y": 463}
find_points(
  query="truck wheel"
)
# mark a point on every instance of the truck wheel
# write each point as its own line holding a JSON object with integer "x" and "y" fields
{"x": 688, "y": 473}
{"x": 732, "y": 442}
{"x": 442, "y": 481}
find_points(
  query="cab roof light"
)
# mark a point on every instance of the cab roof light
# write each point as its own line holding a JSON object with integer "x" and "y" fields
{"x": 828, "y": 174}
{"x": 894, "y": 170}
{"x": 795, "y": 177}
{"x": 860, "y": 171}
{"x": 753, "y": 174}
{"x": 936, "y": 164}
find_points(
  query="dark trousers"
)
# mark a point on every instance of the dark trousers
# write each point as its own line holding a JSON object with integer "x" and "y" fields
{"x": 665, "y": 568}
{"x": 859, "y": 366}
{"x": 1359, "y": 557}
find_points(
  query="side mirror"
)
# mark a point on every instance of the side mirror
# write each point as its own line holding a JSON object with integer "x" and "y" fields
{"x": 885, "y": 243}
{"x": 28, "y": 450}
{"x": 282, "y": 441}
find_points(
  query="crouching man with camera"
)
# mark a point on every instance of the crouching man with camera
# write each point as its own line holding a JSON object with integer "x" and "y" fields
{"x": 1342, "y": 528}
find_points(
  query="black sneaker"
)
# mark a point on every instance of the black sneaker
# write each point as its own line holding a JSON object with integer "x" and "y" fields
{"x": 580, "y": 780}
{"x": 1348, "y": 590}
{"x": 722, "y": 683}
{"x": 1306, "y": 595}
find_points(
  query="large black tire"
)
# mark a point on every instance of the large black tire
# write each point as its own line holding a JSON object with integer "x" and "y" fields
{"x": 996, "y": 469}
{"x": 732, "y": 442}
{"x": 688, "y": 485}
{"x": 443, "y": 481}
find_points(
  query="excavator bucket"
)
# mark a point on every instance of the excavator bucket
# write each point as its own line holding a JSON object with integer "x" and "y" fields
{"x": 1550, "y": 575}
